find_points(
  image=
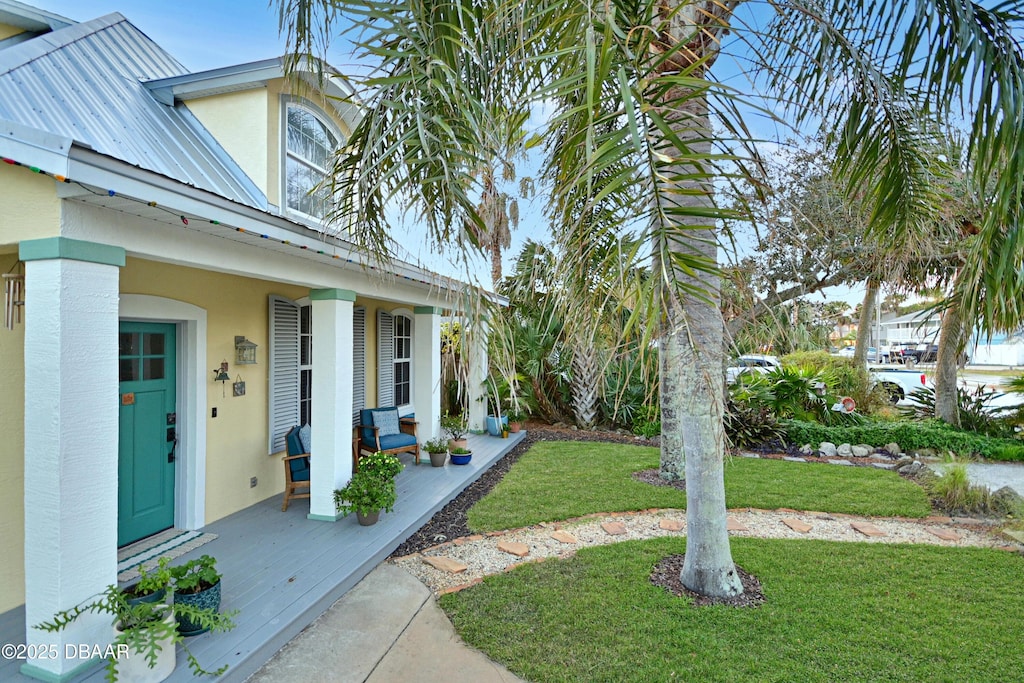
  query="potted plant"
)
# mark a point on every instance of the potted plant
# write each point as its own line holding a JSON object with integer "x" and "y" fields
{"x": 455, "y": 426}
{"x": 461, "y": 456}
{"x": 371, "y": 489}
{"x": 152, "y": 584}
{"x": 146, "y": 635}
{"x": 197, "y": 583}
{"x": 515, "y": 420}
{"x": 438, "y": 451}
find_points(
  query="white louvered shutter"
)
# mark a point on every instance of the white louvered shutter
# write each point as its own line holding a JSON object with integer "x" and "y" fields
{"x": 385, "y": 359}
{"x": 284, "y": 370}
{"x": 358, "y": 362}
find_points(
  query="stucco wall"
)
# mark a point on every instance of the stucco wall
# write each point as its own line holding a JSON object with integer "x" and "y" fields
{"x": 239, "y": 122}
{"x": 6, "y": 31}
{"x": 30, "y": 206}
{"x": 12, "y": 460}
{"x": 236, "y": 439}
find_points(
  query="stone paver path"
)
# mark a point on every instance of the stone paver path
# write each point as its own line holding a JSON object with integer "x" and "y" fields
{"x": 464, "y": 561}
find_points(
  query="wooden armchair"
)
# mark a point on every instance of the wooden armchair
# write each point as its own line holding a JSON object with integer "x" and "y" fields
{"x": 381, "y": 429}
{"x": 296, "y": 468}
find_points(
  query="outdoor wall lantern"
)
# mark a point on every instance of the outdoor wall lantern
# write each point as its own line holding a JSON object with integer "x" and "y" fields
{"x": 245, "y": 351}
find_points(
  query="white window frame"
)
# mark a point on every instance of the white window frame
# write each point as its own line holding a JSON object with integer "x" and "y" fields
{"x": 386, "y": 360}
{"x": 286, "y": 154}
{"x": 402, "y": 360}
{"x": 283, "y": 370}
{"x": 305, "y": 364}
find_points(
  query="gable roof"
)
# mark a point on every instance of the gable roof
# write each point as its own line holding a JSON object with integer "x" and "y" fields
{"x": 86, "y": 81}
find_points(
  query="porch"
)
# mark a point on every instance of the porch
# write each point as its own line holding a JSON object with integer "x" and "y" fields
{"x": 282, "y": 570}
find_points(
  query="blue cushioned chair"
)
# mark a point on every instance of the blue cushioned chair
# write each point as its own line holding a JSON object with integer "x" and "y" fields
{"x": 370, "y": 440}
{"x": 296, "y": 468}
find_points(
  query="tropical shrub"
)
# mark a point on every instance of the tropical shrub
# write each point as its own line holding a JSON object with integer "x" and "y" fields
{"x": 647, "y": 421}
{"x": 842, "y": 376}
{"x": 791, "y": 393}
{"x": 976, "y": 413}
{"x": 749, "y": 424}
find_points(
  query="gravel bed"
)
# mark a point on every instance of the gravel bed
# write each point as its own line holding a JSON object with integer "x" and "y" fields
{"x": 448, "y": 535}
{"x": 482, "y": 557}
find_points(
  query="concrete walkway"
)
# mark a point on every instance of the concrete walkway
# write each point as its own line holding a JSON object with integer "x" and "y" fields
{"x": 388, "y": 629}
{"x": 992, "y": 475}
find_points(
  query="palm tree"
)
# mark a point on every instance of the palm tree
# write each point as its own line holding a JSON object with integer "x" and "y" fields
{"x": 631, "y": 92}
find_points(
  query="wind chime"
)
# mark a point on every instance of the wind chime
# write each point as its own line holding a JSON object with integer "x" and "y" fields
{"x": 14, "y": 297}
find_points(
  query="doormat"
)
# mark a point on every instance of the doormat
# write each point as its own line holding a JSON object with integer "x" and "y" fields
{"x": 147, "y": 552}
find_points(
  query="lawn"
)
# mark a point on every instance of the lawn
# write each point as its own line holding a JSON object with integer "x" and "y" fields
{"x": 834, "y": 612}
{"x": 560, "y": 480}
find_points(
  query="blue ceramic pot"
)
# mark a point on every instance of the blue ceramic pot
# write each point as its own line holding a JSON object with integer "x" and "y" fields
{"x": 461, "y": 459}
{"x": 493, "y": 427}
{"x": 208, "y": 598}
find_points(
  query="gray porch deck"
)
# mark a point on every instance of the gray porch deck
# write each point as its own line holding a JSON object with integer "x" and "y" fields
{"x": 282, "y": 571}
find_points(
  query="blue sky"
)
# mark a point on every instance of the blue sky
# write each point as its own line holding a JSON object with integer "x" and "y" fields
{"x": 206, "y": 34}
{"x": 201, "y": 34}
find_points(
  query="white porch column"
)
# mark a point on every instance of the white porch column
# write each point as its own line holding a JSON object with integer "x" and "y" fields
{"x": 331, "y": 461}
{"x": 477, "y": 334}
{"x": 427, "y": 370}
{"x": 71, "y": 428}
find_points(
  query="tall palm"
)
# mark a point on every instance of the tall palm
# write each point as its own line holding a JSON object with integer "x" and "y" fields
{"x": 630, "y": 89}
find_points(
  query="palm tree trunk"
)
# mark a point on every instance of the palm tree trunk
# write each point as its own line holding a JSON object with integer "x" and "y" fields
{"x": 585, "y": 384}
{"x": 692, "y": 386}
{"x": 867, "y": 313}
{"x": 951, "y": 343}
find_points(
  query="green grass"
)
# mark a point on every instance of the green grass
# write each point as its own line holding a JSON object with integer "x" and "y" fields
{"x": 556, "y": 480}
{"x": 834, "y": 612}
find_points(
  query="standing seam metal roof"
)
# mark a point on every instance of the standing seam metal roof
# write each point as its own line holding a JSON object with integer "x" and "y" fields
{"x": 86, "y": 82}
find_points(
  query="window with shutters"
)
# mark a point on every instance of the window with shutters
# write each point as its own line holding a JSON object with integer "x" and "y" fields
{"x": 305, "y": 365}
{"x": 403, "y": 360}
{"x": 394, "y": 359}
{"x": 358, "y": 362}
{"x": 285, "y": 360}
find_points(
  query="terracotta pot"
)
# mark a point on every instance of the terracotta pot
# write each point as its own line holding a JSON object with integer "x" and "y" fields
{"x": 457, "y": 443}
{"x": 514, "y": 427}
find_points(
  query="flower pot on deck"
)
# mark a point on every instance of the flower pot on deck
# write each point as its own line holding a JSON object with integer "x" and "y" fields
{"x": 438, "y": 459}
{"x": 369, "y": 518}
{"x": 495, "y": 426}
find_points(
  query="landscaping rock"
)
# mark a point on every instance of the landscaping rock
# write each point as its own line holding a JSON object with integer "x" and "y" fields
{"x": 791, "y": 458}
{"x": 845, "y": 450}
{"x": 840, "y": 461}
{"x": 806, "y": 449}
{"x": 884, "y": 465}
{"x": 892, "y": 449}
{"x": 910, "y": 469}
{"x": 861, "y": 451}
{"x": 828, "y": 449}
{"x": 1006, "y": 499}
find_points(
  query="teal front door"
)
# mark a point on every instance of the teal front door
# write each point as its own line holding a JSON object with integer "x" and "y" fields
{"x": 147, "y": 430}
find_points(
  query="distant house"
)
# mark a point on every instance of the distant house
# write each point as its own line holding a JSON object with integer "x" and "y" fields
{"x": 159, "y": 223}
{"x": 919, "y": 327}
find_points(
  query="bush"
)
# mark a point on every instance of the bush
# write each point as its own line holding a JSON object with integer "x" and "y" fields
{"x": 843, "y": 378}
{"x": 647, "y": 421}
{"x": 748, "y": 425}
{"x": 973, "y": 406}
{"x": 910, "y": 436}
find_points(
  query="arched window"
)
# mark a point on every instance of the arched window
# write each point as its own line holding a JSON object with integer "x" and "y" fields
{"x": 309, "y": 143}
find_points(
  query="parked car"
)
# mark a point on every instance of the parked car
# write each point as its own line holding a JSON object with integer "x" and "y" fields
{"x": 849, "y": 351}
{"x": 754, "y": 362}
{"x": 898, "y": 383}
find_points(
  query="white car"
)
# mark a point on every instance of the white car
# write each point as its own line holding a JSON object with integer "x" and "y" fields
{"x": 753, "y": 362}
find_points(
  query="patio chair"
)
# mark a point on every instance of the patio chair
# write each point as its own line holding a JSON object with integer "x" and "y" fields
{"x": 296, "y": 467}
{"x": 381, "y": 429}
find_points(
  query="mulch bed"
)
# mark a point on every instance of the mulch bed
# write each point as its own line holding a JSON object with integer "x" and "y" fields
{"x": 666, "y": 575}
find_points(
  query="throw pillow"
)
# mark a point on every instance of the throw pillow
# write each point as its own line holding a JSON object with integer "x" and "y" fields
{"x": 386, "y": 421}
{"x": 305, "y": 434}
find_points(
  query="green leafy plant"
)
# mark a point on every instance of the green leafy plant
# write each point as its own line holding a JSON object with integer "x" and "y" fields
{"x": 455, "y": 426}
{"x": 973, "y": 406}
{"x": 749, "y": 424}
{"x": 372, "y": 488}
{"x": 953, "y": 491}
{"x": 647, "y": 421}
{"x": 144, "y": 627}
{"x": 195, "y": 575}
{"x": 460, "y": 451}
{"x": 152, "y": 580}
{"x": 438, "y": 445}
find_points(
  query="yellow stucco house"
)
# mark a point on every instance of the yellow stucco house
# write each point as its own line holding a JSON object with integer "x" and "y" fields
{"x": 154, "y": 224}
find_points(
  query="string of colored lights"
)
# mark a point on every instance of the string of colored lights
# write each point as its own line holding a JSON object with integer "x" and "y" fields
{"x": 445, "y": 282}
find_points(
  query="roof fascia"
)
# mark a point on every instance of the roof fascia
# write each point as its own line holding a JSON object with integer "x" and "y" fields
{"x": 31, "y": 18}
{"x": 35, "y": 148}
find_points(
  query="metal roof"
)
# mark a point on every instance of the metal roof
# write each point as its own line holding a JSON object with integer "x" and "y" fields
{"x": 86, "y": 81}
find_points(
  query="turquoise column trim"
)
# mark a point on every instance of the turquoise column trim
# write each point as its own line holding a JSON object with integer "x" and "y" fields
{"x": 33, "y": 671}
{"x": 431, "y": 310}
{"x": 332, "y": 295}
{"x": 73, "y": 250}
{"x": 324, "y": 518}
